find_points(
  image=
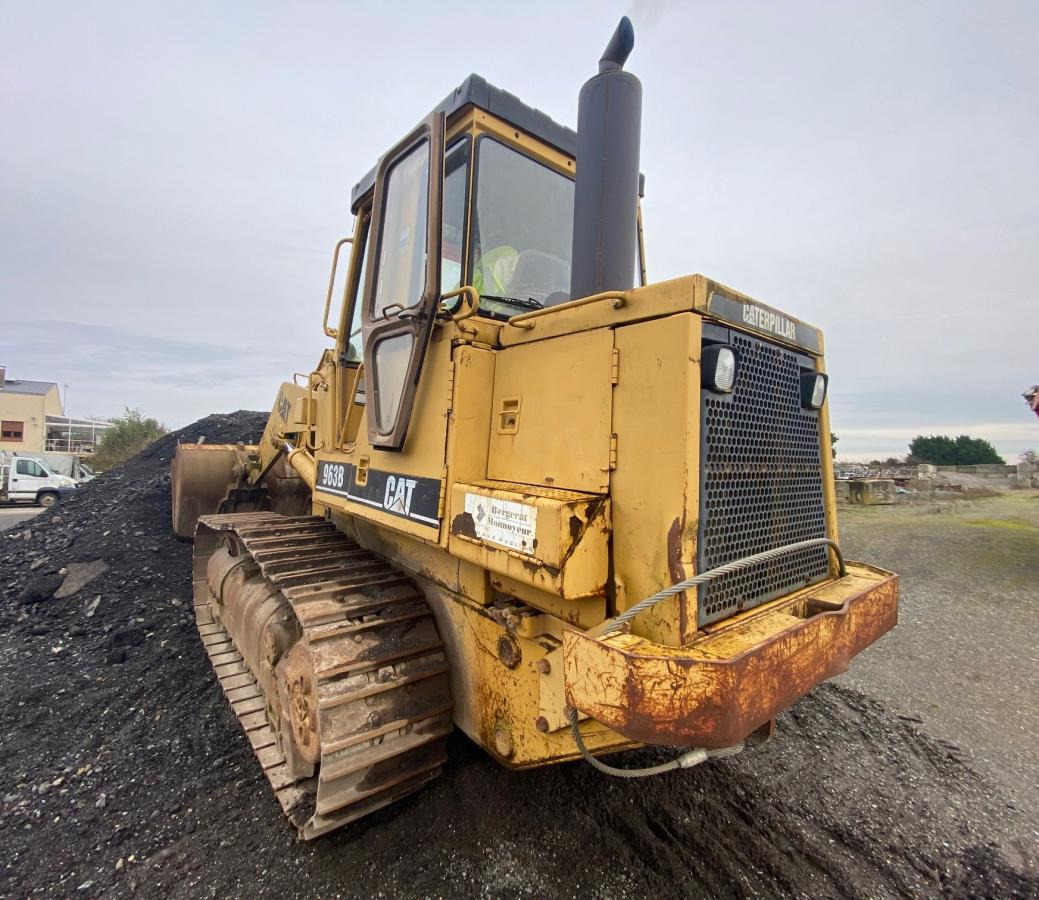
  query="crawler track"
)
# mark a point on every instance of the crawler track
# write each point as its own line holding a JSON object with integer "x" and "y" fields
{"x": 329, "y": 658}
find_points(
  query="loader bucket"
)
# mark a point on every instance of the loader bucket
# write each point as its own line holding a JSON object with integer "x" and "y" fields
{"x": 202, "y": 477}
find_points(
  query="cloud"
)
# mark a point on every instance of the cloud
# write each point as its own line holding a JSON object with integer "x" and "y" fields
{"x": 108, "y": 369}
{"x": 863, "y": 444}
{"x": 176, "y": 175}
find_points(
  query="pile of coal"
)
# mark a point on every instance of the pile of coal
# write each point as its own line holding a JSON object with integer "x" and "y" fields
{"x": 103, "y": 695}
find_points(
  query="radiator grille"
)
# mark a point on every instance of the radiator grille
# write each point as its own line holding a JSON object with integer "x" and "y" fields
{"x": 760, "y": 481}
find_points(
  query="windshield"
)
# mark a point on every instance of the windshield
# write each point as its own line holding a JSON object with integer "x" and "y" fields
{"x": 522, "y": 231}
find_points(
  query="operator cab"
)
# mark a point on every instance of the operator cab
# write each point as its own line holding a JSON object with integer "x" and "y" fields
{"x": 499, "y": 201}
{"x": 507, "y": 200}
{"x": 475, "y": 206}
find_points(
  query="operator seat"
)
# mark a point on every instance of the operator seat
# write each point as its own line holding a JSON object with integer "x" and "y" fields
{"x": 540, "y": 276}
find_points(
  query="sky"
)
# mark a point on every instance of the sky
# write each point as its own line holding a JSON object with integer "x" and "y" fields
{"x": 173, "y": 177}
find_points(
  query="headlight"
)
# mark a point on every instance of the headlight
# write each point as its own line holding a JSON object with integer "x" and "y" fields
{"x": 813, "y": 389}
{"x": 718, "y": 368}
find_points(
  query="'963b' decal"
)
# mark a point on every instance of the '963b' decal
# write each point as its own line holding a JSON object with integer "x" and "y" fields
{"x": 407, "y": 496}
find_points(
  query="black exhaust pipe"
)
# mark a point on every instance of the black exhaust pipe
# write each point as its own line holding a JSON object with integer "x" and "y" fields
{"x": 609, "y": 121}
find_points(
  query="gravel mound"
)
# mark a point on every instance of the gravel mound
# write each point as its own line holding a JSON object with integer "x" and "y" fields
{"x": 124, "y": 772}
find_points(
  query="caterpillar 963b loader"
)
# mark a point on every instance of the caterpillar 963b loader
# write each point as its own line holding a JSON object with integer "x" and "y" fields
{"x": 519, "y": 493}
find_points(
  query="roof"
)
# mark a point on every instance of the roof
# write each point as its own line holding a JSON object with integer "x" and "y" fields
{"x": 479, "y": 92}
{"x": 78, "y": 423}
{"x": 16, "y": 386}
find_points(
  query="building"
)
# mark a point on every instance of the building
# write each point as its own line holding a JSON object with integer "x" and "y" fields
{"x": 32, "y": 419}
{"x": 24, "y": 407}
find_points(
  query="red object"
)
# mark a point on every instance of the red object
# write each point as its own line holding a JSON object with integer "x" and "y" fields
{"x": 1032, "y": 398}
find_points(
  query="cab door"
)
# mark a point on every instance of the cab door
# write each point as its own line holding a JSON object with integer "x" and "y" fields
{"x": 27, "y": 477}
{"x": 402, "y": 283}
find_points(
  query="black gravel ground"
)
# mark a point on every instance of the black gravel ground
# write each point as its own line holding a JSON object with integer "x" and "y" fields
{"x": 124, "y": 771}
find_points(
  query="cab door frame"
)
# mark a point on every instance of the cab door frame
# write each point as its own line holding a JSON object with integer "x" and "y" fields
{"x": 412, "y": 318}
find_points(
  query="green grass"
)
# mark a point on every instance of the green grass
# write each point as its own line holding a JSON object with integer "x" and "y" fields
{"x": 1013, "y": 524}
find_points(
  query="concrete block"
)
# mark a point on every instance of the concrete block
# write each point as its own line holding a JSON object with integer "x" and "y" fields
{"x": 872, "y": 491}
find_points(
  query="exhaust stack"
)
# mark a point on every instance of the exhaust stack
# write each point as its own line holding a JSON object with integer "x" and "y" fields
{"x": 609, "y": 121}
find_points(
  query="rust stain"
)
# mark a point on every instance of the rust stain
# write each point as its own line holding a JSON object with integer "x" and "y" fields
{"x": 575, "y": 528}
{"x": 464, "y": 525}
{"x": 677, "y": 571}
{"x": 674, "y": 551}
{"x": 531, "y": 564}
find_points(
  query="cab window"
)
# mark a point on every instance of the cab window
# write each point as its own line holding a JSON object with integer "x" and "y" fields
{"x": 522, "y": 231}
{"x": 30, "y": 467}
{"x": 352, "y": 353}
{"x": 456, "y": 186}
{"x": 402, "y": 244}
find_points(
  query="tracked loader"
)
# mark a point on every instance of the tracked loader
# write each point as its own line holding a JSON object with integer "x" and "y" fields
{"x": 520, "y": 493}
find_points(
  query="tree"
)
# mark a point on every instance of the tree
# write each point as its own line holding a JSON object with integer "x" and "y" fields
{"x": 942, "y": 450}
{"x": 129, "y": 435}
{"x": 833, "y": 444}
{"x": 937, "y": 449}
{"x": 1031, "y": 457}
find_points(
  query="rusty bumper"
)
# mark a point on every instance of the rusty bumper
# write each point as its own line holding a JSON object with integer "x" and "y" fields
{"x": 738, "y": 674}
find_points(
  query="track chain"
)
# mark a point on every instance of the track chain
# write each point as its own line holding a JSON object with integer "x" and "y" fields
{"x": 368, "y": 657}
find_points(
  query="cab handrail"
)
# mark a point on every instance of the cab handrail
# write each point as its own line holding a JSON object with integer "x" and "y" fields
{"x": 619, "y": 298}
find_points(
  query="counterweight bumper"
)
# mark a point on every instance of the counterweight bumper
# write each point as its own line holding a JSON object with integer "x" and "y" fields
{"x": 738, "y": 674}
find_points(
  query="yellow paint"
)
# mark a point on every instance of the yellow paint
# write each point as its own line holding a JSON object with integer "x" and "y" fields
{"x": 561, "y": 438}
{"x": 489, "y": 695}
{"x": 569, "y": 553}
{"x": 655, "y": 488}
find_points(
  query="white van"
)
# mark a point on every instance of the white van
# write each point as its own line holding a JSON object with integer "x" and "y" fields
{"x": 30, "y": 480}
{"x": 71, "y": 464}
